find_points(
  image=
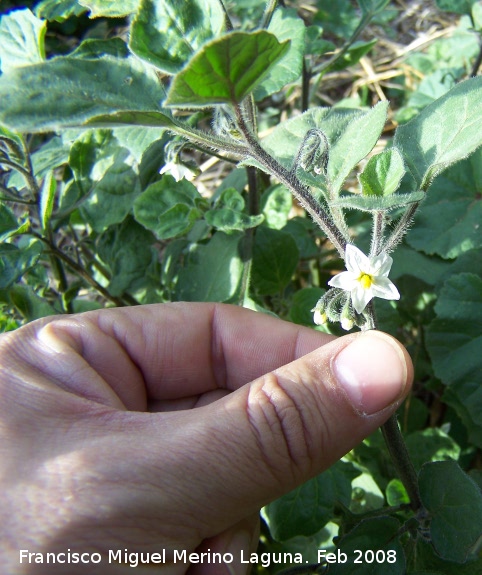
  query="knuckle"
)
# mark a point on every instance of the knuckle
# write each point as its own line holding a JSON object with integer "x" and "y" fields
{"x": 289, "y": 433}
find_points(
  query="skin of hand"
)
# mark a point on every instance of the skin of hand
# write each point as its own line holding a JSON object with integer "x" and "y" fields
{"x": 169, "y": 426}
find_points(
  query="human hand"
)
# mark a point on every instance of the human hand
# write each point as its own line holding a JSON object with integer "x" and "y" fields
{"x": 169, "y": 426}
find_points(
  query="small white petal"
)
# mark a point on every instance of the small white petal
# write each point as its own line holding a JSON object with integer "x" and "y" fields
{"x": 355, "y": 260}
{"x": 344, "y": 280}
{"x": 319, "y": 317}
{"x": 384, "y": 288}
{"x": 360, "y": 297}
{"x": 381, "y": 264}
{"x": 347, "y": 323}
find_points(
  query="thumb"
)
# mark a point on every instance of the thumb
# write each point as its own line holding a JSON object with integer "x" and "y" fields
{"x": 277, "y": 432}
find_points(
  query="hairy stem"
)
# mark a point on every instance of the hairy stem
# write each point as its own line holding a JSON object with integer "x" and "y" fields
{"x": 396, "y": 444}
{"x": 401, "y": 228}
{"x": 289, "y": 179}
{"x": 377, "y": 233}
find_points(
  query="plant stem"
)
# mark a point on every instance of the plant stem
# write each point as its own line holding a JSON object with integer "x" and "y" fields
{"x": 80, "y": 271}
{"x": 396, "y": 445}
{"x": 323, "y": 68}
{"x": 401, "y": 460}
{"x": 401, "y": 228}
{"x": 268, "y": 13}
{"x": 248, "y": 240}
{"x": 289, "y": 179}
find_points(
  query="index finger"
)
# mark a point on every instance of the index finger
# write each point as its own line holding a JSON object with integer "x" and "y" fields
{"x": 168, "y": 351}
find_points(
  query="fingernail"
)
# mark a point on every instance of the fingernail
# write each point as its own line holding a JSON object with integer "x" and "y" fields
{"x": 372, "y": 370}
{"x": 239, "y": 547}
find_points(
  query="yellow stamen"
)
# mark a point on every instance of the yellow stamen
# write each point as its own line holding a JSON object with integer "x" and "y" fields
{"x": 366, "y": 280}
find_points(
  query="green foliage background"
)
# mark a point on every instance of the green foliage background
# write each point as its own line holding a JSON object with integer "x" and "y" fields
{"x": 96, "y": 209}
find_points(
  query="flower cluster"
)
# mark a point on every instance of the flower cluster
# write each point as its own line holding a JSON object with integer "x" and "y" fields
{"x": 365, "y": 278}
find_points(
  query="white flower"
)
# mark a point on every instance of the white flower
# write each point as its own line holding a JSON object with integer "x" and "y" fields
{"x": 319, "y": 317}
{"x": 365, "y": 277}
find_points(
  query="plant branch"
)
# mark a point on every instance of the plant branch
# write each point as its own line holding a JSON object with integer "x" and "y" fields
{"x": 80, "y": 271}
{"x": 289, "y": 179}
{"x": 396, "y": 444}
{"x": 248, "y": 240}
{"x": 268, "y": 13}
{"x": 401, "y": 228}
{"x": 323, "y": 68}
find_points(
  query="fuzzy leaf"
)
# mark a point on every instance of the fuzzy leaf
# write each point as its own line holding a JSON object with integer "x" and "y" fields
{"x": 444, "y": 132}
{"x": 67, "y": 91}
{"x": 449, "y": 222}
{"x": 455, "y": 504}
{"x": 226, "y": 70}
{"x": 275, "y": 257}
{"x": 168, "y": 208}
{"x": 213, "y": 271}
{"x": 376, "y": 204}
{"x": 21, "y": 40}
{"x": 305, "y": 510}
{"x": 166, "y": 33}
{"x": 285, "y": 25}
{"x": 109, "y": 8}
{"x": 382, "y": 174}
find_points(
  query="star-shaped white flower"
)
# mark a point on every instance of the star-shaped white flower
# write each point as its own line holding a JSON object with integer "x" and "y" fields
{"x": 365, "y": 277}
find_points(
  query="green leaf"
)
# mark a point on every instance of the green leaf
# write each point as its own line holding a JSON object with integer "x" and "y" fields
{"x": 416, "y": 264}
{"x": 376, "y": 204}
{"x": 352, "y": 56}
{"x": 226, "y": 70}
{"x": 455, "y": 504}
{"x": 375, "y": 545}
{"x": 228, "y": 214}
{"x": 98, "y": 48}
{"x": 351, "y": 134}
{"x": 21, "y": 40}
{"x": 168, "y": 208}
{"x": 110, "y": 8}
{"x": 276, "y": 204}
{"x": 275, "y": 257}
{"x": 432, "y": 87}
{"x": 457, "y": 6}
{"x": 466, "y": 399}
{"x": 396, "y": 494}
{"x": 305, "y": 233}
{"x": 372, "y": 6}
{"x": 449, "y": 222}
{"x": 51, "y": 155}
{"x": 58, "y": 10}
{"x": 431, "y": 444}
{"x": 68, "y": 91}
{"x": 47, "y": 197}
{"x": 106, "y": 177}
{"x": 126, "y": 249}
{"x": 166, "y": 33}
{"x": 455, "y": 336}
{"x": 14, "y": 261}
{"x": 285, "y": 25}
{"x": 454, "y": 340}
{"x": 445, "y": 132}
{"x": 305, "y": 510}
{"x": 382, "y": 174}
{"x": 303, "y": 302}
{"x": 213, "y": 271}
{"x": 29, "y": 304}
{"x": 8, "y": 223}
